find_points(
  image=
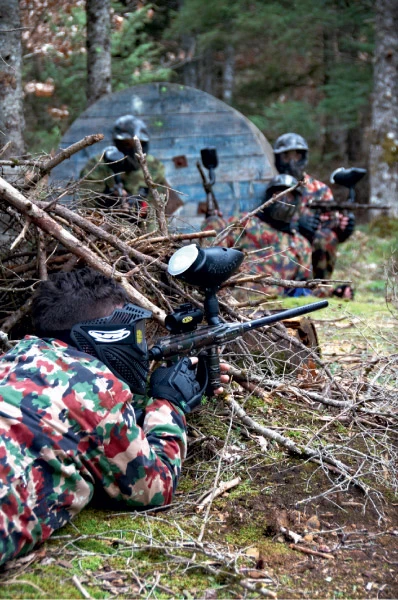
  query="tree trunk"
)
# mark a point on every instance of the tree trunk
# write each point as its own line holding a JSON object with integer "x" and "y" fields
{"x": 207, "y": 72}
{"x": 98, "y": 46}
{"x": 334, "y": 141}
{"x": 11, "y": 97}
{"x": 228, "y": 74}
{"x": 384, "y": 137}
{"x": 190, "y": 67}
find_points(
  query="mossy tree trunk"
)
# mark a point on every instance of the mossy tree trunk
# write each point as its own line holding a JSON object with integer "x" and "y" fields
{"x": 384, "y": 142}
{"x": 11, "y": 95}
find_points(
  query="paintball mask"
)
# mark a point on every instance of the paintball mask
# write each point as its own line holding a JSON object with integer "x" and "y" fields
{"x": 291, "y": 166}
{"x": 119, "y": 342}
{"x": 124, "y": 131}
{"x": 280, "y": 213}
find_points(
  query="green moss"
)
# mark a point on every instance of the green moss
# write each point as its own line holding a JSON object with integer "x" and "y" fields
{"x": 381, "y": 227}
{"x": 390, "y": 150}
{"x": 91, "y": 563}
{"x": 51, "y": 581}
{"x": 245, "y": 536}
{"x": 245, "y": 489}
{"x": 253, "y": 403}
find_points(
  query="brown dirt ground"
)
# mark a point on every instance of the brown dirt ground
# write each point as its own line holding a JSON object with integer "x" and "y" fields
{"x": 364, "y": 549}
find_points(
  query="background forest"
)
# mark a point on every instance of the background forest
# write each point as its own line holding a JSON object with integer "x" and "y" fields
{"x": 325, "y": 69}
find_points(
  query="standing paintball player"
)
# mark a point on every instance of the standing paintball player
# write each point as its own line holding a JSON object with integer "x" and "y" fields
{"x": 324, "y": 232}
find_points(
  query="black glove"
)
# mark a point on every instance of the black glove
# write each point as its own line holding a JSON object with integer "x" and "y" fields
{"x": 308, "y": 225}
{"x": 344, "y": 291}
{"x": 344, "y": 234}
{"x": 180, "y": 384}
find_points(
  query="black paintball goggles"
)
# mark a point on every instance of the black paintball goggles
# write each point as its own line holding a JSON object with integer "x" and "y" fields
{"x": 118, "y": 341}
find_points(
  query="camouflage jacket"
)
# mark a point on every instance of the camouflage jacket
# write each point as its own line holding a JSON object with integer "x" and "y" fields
{"x": 68, "y": 428}
{"x": 280, "y": 255}
{"x": 99, "y": 179}
{"x": 316, "y": 191}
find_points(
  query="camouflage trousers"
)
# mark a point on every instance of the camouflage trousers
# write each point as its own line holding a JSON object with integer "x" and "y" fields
{"x": 324, "y": 253}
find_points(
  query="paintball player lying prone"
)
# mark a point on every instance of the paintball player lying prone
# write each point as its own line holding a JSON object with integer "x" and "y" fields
{"x": 73, "y": 427}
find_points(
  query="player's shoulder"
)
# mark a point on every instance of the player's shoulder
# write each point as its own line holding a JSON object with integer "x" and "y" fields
{"x": 312, "y": 182}
{"x": 155, "y": 165}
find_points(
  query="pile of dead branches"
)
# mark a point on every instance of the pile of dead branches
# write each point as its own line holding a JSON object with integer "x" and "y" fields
{"x": 41, "y": 234}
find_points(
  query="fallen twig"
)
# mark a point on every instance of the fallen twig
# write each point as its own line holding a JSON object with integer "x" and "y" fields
{"x": 313, "y": 552}
{"x": 239, "y": 222}
{"x": 223, "y": 487}
{"x": 46, "y": 167}
{"x": 159, "y": 203}
{"x": 312, "y": 454}
{"x": 79, "y": 586}
{"x": 49, "y": 225}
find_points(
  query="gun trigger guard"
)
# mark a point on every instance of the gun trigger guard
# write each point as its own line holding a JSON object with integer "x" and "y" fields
{"x": 202, "y": 372}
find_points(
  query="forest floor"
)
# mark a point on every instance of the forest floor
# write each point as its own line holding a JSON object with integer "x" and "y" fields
{"x": 288, "y": 528}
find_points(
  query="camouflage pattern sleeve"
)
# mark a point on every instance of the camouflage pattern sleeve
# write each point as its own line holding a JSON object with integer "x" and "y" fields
{"x": 97, "y": 175}
{"x": 314, "y": 190}
{"x": 325, "y": 242}
{"x": 216, "y": 223}
{"x": 277, "y": 254}
{"x": 302, "y": 255}
{"x": 158, "y": 174}
{"x": 156, "y": 169}
{"x": 139, "y": 466}
{"x": 68, "y": 428}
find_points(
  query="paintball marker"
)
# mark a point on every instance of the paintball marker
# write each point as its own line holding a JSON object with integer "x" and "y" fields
{"x": 347, "y": 178}
{"x": 208, "y": 268}
{"x": 210, "y": 162}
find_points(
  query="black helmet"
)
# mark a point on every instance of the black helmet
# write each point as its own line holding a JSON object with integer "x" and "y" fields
{"x": 286, "y": 142}
{"x": 280, "y": 213}
{"x": 127, "y": 127}
{"x": 290, "y": 141}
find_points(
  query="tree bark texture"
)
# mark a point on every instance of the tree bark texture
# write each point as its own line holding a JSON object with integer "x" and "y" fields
{"x": 384, "y": 140}
{"x": 229, "y": 74}
{"x": 98, "y": 43}
{"x": 11, "y": 96}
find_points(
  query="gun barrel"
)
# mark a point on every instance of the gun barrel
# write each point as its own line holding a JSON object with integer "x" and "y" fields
{"x": 217, "y": 335}
{"x": 290, "y": 313}
{"x": 332, "y": 206}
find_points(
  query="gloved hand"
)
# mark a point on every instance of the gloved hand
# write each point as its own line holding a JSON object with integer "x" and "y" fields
{"x": 180, "y": 384}
{"x": 346, "y": 227}
{"x": 344, "y": 291}
{"x": 308, "y": 225}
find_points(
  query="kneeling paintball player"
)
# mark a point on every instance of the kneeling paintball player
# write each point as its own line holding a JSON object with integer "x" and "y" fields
{"x": 74, "y": 420}
{"x": 278, "y": 250}
{"x": 116, "y": 177}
